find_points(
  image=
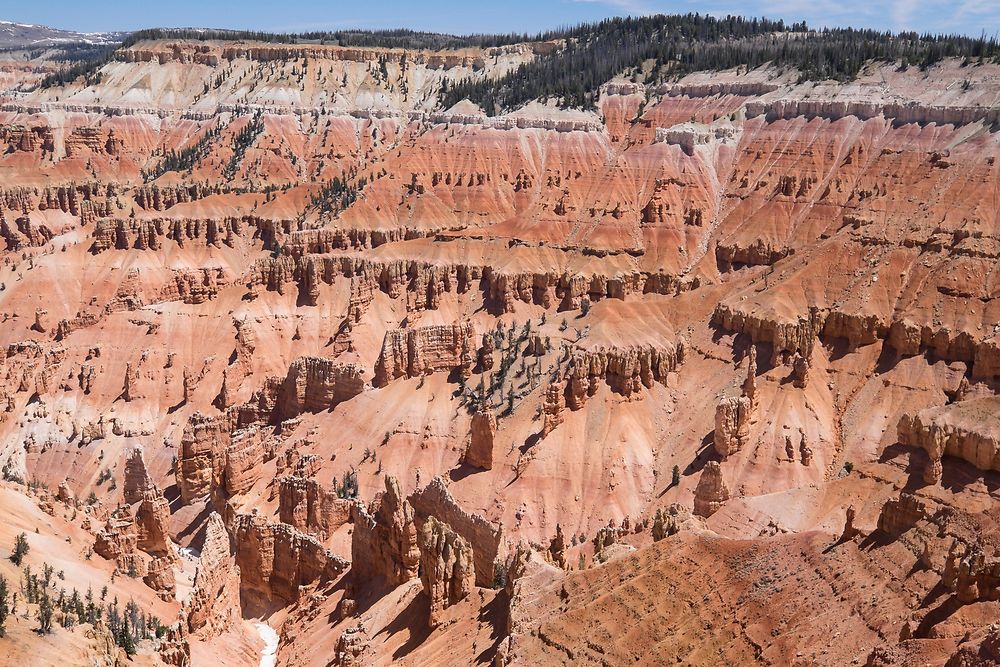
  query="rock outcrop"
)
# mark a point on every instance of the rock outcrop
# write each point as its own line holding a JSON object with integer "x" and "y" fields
{"x": 485, "y": 354}
{"x": 711, "y": 492}
{"x": 901, "y": 113}
{"x": 160, "y": 577}
{"x": 384, "y": 543}
{"x": 314, "y": 384}
{"x": 800, "y": 370}
{"x": 65, "y": 493}
{"x": 154, "y": 233}
{"x": 201, "y": 456}
{"x": 244, "y": 458}
{"x": 787, "y": 336}
{"x": 479, "y": 453}
{"x": 310, "y": 507}
{"x": 553, "y": 407}
{"x": 174, "y": 648}
{"x": 129, "y": 389}
{"x": 626, "y": 370}
{"x": 971, "y": 573}
{"x": 850, "y": 530}
{"x": 353, "y": 649}
{"x": 152, "y": 521}
{"x": 805, "y": 451}
{"x": 276, "y": 559}
{"x": 749, "y": 388}
{"x": 424, "y": 350}
{"x": 137, "y": 479}
{"x": 557, "y": 548}
{"x": 214, "y": 603}
{"x": 485, "y": 538}
{"x": 670, "y": 521}
{"x": 446, "y": 568}
{"x": 983, "y": 651}
{"x": 141, "y": 525}
{"x": 732, "y": 425}
{"x": 969, "y": 430}
{"x": 900, "y": 514}
{"x": 118, "y": 541}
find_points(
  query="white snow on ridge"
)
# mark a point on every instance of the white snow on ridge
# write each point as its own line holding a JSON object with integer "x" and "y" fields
{"x": 14, "y": 35}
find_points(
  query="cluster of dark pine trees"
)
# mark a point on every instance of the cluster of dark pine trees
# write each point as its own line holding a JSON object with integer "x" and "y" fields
{"x": 130, "y": 625}
{"x": 84, "y": 63}
{"x": 411, "y": 39}
{"x": 67, "y": 52}
{"x": 184, "y": 159}
{"x": 127, "y": 625}
{"x": 398, "y": 38}
{"x": 241, "y": 142}
{"x": 337, "y": 194}
{"x": 87, "y": 60}
{"x": 595, "y": 52}
{"x": 678, "y": 45}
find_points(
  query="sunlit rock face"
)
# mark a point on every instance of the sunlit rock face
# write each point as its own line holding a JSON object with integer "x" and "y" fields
{"x": 284, "y": 341}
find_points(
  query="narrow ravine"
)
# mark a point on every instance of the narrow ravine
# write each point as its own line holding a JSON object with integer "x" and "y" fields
{"x": 269, "y": 654}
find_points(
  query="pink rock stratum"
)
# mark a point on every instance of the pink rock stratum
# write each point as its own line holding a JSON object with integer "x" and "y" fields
{"x": 304, "y": 366}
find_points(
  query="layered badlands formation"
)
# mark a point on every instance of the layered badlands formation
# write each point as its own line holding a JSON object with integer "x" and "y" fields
{"x": 708, "y": 375}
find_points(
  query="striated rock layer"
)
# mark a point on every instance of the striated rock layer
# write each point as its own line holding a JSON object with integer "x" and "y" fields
{"x": 707, "y": 373}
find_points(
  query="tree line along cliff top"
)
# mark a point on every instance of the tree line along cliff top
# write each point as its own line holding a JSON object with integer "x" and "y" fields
{"x": 650, "y": 49}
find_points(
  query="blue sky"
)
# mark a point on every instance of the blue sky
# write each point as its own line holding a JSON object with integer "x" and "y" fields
{"x": 464, "y": 16}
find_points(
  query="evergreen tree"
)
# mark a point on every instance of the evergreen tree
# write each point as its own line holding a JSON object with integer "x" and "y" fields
{"x": 125, "y": 638}
{"x": 680, "y": 44}
{"x": 20, "y": 549}
{"x": 4, "y": 606}
{"x": 592, "y": 53}
{"x": 45, "y": 610}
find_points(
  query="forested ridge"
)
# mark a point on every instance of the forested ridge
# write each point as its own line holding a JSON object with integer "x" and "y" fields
{"x": 652, "y": 48}
{"x": 677, "y": 45}
{"x": 401, "y": 38}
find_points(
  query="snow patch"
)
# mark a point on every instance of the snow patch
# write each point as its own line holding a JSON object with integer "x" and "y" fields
{"x": 188, "y": 552}
{"x": 269, "y": 654}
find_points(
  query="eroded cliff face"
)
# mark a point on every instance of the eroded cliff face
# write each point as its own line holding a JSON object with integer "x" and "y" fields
{"x": 314, "y": 384}
{"x": 956, "y": 547}
{"x": 384, "y": 543}
{"x": 481, "y": 438}
{"x": 446, "y": 568}
{"x": 214, "y": 602}
{"x": 136, "y": 536}
{"x": 508, "y": 362}
{"x": 277, "y": 560}
{"x": 969, "y": 430}
{"x": 732, "y": 424}
{"x": 625, "y": 370}
{"x": 484, "y": 539}
{"x": 415, "y": 352}
{"x": 200, "y": 461}
{"x": 307, "y": 506}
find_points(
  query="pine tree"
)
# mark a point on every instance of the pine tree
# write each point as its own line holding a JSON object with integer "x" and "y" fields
{"x": 45, "y": 609}
{"x": 4, "y": 606}
{"x": 125, "y": 639}
{"x": 21, "y": 549}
